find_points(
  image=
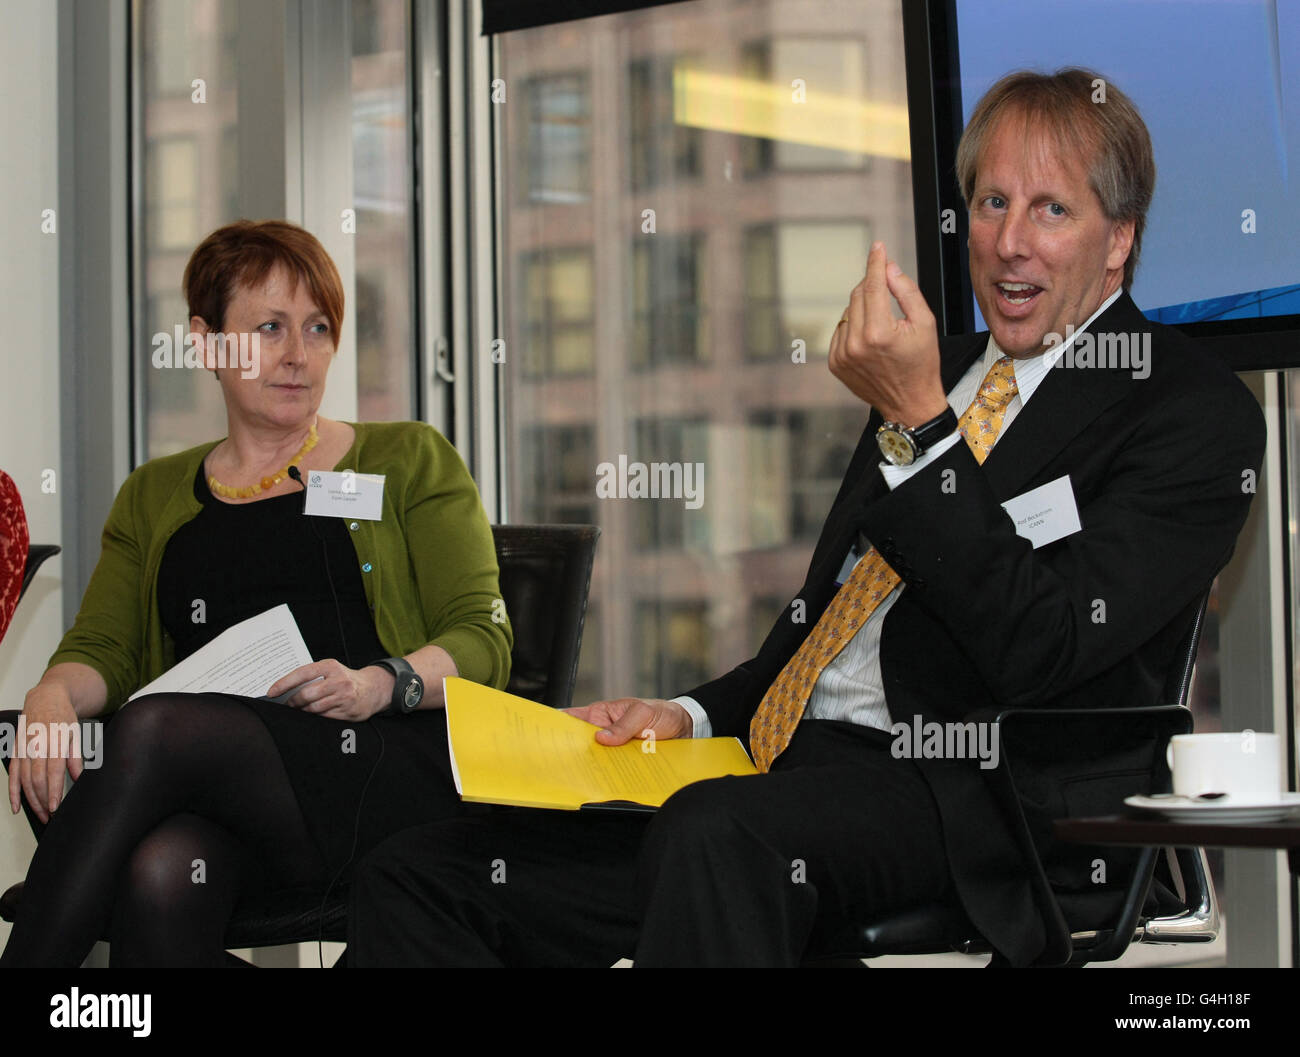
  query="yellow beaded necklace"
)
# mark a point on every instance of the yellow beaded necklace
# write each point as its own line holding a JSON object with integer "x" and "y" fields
{"x": 267, "y": 483}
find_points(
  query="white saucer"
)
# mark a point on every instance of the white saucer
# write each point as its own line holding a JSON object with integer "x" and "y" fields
{"x": 1226, "y": 809}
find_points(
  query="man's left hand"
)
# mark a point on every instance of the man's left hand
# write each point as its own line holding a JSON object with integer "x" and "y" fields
{"x": 338, "y": 691}
{"x": 892, "y": 364}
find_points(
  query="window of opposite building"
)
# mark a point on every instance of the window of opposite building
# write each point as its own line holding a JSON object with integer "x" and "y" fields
{"x": 557, "y": 312}
{"x": 794, "y": 276}
{"x": 556, "y": 473}
{"x": 675, "y": 651}
{"x": 661, "y": 150}
{"x": 555, "y": 159}
{"x": 797, "y": 459}
{"x": 666, "y": 468}
{"x": 669, "y": 300}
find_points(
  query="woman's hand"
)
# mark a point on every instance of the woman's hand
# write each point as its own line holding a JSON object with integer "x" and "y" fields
{"x": 337, "y": 691}
{"x": 46, "y": 710}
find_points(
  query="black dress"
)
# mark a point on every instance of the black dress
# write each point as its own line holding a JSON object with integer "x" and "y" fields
{"x": 234, "y": 561}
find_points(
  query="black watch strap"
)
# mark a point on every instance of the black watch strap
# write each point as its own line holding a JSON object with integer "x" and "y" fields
{"x": 408, "y": 687}
{"x": 928, "y": 434}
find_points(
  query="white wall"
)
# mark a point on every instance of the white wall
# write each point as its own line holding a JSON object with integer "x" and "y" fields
{"x": 29, "y": 353}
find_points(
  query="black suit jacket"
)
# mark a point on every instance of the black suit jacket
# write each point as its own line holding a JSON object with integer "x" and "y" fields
{"x": 1159, "y": 467}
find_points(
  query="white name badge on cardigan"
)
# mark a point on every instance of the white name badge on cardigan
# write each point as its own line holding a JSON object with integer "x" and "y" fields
{"x": 1045, "y": 514}
{"x": 345, "y": 494}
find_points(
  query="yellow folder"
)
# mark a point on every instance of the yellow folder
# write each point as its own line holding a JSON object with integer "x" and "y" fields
{"x": 508, "y": 750}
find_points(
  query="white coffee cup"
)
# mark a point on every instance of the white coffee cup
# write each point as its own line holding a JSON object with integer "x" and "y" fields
{"x": 1245, "y": 764}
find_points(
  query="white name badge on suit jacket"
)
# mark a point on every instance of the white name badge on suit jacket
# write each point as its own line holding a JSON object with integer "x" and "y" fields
{"x": 345, "y": 494}
{"x": 1045, "y": 514}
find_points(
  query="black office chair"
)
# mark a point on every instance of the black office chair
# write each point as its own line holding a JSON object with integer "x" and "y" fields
{"x": 545, "y": 579}
{"x": 37, "y": 555}
{"x": 1097, "y": 924}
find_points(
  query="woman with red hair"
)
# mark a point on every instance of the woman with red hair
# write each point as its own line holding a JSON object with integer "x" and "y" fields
{"x": 204, "y": 802}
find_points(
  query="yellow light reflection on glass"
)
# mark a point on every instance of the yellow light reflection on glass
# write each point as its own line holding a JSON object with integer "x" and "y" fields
{"x": 727, "y": 103}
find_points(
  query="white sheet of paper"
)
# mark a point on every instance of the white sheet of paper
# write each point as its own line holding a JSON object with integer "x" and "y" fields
{"x": 1045, "y": 514}
{"x": 345, "y": 493}
{"x": 245, "y": 659}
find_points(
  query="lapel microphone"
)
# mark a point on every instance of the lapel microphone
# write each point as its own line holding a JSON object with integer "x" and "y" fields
{"x": 296, "y": 474}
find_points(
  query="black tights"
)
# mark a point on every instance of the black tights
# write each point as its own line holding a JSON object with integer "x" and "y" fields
{"x": 190, "y": 811}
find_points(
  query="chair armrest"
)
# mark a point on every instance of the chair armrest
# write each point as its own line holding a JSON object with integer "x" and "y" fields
{"x": 1069, "y": 763}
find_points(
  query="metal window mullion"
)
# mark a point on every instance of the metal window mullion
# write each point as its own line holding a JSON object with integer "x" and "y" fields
{"x": 99, "y": 392}
{"x": 432, "y": 188}
{"x": 1252, "y": 690}
{"x": 458, "y": 176}
{"x": 477, "y": 414}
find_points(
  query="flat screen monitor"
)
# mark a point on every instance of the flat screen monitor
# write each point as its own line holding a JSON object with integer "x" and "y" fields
{"x": 1218, "y": 84}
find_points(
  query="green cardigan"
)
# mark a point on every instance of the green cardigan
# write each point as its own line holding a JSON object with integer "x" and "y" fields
{"x": 429, "y": 566}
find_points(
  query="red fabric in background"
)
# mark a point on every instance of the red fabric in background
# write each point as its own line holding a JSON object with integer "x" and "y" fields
{"x": 13, "y": 549}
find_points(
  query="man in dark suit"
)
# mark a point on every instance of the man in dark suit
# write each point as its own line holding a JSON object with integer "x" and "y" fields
{"x": 923, "y": 604}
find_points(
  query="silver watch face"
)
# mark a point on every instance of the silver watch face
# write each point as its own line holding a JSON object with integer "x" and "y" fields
{"x": 896, "y": 446}
{"x": 414, "y": 691}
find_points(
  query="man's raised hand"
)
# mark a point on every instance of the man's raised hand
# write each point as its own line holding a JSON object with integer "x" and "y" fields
{"x": 625, "y": 718}
{"x": 892, "y": 364}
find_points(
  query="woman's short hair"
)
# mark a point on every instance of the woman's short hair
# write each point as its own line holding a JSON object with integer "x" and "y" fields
{"x": 1081, "y": 114}
{"x": 245, "y": 253}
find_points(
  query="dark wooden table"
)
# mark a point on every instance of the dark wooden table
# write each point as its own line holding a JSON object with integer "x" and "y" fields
{"x": 1152, "y": 830}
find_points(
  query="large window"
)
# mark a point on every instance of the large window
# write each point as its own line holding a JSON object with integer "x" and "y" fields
{"x": 189, "y": 96}
{"x": 207, "y": 124}
{"x": 681, "y": 226}
{"x": 382, "y": 194}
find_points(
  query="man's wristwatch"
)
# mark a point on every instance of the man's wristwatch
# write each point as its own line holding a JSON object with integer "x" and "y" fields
{"x": 408, "y": 688}
{"x": 902, "y": 446}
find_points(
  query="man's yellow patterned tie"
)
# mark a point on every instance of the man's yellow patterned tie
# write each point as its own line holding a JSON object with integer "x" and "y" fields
{"x": 872, "y": 579}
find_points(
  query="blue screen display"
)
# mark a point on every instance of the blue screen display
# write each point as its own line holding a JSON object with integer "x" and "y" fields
{"x": 1218, "y": 84}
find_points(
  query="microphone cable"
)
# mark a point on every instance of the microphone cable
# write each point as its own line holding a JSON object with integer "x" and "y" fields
{"x": 296, "y": 474}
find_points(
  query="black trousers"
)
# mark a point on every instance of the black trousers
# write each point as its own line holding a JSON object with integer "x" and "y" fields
{"x": 732, "y": 871}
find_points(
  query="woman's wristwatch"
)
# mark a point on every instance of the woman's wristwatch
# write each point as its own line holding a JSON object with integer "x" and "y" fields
{"x": 408, "y": 688}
